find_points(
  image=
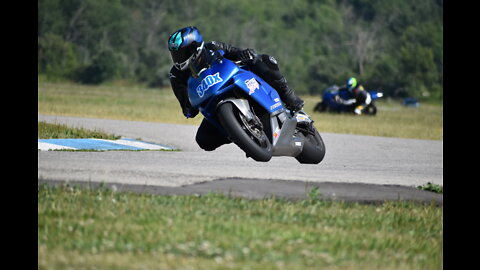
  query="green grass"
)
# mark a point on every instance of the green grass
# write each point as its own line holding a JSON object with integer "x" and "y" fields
{"x": 160, "y": 105}
{"x": 432, "y": 187}
{"x": 392, "y": 120}
{"x": 55, "y": 131}
{"x": 113, "y": 102}
{"x": 103, "y": 229}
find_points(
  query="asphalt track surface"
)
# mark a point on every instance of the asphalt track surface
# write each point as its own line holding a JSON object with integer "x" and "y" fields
{"x": 355, "y": 168}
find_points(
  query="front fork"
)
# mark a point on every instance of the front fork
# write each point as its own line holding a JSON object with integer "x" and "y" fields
{"x": 286, "y": 141}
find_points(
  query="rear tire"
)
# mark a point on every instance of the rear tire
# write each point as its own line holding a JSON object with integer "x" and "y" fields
{"x": 251, "y": 139}
{"x": 320, "y": 107}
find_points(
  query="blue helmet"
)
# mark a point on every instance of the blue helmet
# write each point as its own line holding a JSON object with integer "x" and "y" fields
{"x": 184, "y": 46}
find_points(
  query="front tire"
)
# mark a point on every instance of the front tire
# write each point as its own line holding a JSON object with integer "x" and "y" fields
{"x": 313, "y": 148}
{"x": 248, "y": 136}
{"x": 371, "y": 109}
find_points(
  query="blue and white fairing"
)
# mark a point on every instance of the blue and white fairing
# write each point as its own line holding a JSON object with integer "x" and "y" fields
{"x": 223, "y": 76}
{"x": 375, "y": 94}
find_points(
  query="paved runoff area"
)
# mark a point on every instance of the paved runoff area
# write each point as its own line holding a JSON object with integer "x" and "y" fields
{"x": 98, "y": 145}
{"x": 356, "y": 168}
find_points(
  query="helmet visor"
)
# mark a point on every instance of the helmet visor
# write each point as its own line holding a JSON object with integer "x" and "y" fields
{"x": 183, "y": 57}
{"x": 351, "y": 83}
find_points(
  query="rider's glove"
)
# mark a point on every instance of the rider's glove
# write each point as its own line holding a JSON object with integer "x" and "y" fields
{"x": 247, "y": 54}
{"x": 190, "y": 112}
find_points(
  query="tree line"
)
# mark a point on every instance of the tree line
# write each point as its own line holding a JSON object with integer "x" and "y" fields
{"x": 395, "y": 45}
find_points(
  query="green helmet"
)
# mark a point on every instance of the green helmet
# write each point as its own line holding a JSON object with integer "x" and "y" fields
{"x": 351, "y": 83}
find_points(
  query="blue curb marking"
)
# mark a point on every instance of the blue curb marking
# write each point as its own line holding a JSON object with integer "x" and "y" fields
{"x": 89, "y": 144}
{"x": 97, "y": 144}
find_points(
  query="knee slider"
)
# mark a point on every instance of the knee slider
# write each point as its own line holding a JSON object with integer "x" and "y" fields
{"x": 270, "y": 61}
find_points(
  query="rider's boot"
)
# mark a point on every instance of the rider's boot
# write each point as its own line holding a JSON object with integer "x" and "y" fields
{"x": 268, "y": 69}
{"x": 292, "y": 101}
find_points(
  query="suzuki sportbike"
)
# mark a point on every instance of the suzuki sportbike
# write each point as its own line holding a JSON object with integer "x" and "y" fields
{"x": 249, "y": 112}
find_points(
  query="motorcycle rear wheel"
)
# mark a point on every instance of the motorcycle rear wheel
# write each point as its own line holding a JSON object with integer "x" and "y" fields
{"x": 251, "y": 139}
{"x": 320, "y": 107}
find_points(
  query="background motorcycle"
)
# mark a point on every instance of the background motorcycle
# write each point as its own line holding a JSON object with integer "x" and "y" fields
{"x": 329, "y": 102}
{"x": 250, "y": 113}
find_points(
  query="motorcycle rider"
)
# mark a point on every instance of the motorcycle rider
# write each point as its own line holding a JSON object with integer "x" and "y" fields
{"x": 354, "y": 95}
{"x": 186, "y": 46}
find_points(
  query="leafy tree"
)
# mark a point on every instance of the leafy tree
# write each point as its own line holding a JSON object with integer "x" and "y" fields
{"x": 56, "y": 57}
{"x": 102, "y": 68}
{"x": 394, "y": 45}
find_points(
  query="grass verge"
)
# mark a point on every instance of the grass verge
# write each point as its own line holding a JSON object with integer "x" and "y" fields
{"x": 432, "y": 187}
{"x": 56, "y": 131}
{"x": 103, "y": 229}
{"x": 160, "y": 105}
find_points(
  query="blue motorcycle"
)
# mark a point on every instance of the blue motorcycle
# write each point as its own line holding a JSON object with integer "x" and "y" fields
{"x": 330, "y": 102}
{"x": 250, "y": 112}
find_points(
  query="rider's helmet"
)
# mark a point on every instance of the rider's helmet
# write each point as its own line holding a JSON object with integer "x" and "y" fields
{"x": 184, "y": 46}
{"x": 351, "y": 84}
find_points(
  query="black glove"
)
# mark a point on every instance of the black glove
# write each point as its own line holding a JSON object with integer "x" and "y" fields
{"x": 190, "y": 112}
{"x": 247, "y": 54}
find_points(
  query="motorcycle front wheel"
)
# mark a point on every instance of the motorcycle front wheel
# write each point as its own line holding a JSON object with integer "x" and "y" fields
{"x": 371, "y": 109}
{"x": 248, "y": 135}
{"x": 313, "y": 148}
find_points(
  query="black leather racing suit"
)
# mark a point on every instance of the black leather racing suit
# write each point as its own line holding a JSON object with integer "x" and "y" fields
{"x": 359, "y": 94}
